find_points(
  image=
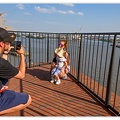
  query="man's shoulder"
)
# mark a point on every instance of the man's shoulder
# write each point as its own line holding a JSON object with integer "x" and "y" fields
{"x": 3, "y": 61}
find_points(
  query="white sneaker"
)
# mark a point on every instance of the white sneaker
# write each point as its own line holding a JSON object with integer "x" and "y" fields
{"x": 52, "y": 81}
{"x": 58, "y": 82}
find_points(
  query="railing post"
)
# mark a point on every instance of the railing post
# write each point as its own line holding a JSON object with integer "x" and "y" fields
{"x": 67, "y": 37}
{"x": 110, "y": 74}
{"x": 58, "y": 37}
{"x": 48, "y": 48}
{"x": 29, "y": 52}
{"x": 79, "y": 60}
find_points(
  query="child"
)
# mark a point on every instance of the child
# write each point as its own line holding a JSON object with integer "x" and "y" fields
{"x": 60, "y": 66}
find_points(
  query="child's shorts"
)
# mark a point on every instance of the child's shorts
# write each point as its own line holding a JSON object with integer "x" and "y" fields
{"x": 9, "y": 99}
{"x": 55, "y": 71}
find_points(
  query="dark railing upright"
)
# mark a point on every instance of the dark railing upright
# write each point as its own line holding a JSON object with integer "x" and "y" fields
{"x": 48, "y": 48}
{"x": 110, "y": 74}
{"x": 29, "y": 52}
{"x": 79, "y": 60}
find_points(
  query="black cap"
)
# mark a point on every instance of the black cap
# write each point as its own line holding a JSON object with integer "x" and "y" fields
{"x": 5, "y": 36}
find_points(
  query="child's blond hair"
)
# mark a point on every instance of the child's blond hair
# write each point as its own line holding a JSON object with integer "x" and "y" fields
{"x": 66, "y": 43}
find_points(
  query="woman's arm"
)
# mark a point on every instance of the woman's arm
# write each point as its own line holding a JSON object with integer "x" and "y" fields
{"x": 67, "y": 58}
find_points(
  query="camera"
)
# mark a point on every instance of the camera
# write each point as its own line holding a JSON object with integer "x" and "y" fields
{"x": 16, "y": 45}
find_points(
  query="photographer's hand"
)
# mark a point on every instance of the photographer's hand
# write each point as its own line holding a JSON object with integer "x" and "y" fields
{"x": 6, "y": 52}
{"x": 21, "y": 51}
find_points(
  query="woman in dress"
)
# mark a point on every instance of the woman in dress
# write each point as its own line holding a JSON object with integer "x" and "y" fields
{"x": 63, "y": 44}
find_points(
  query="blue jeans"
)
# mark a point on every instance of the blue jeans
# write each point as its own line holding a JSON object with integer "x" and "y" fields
{"x": 10, "y": 98}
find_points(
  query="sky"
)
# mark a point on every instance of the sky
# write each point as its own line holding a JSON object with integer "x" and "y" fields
{"x": 62, "y": 17}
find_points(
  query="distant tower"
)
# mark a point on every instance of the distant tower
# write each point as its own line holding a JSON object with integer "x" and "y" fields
{"x": 1, "y": 18}
{"x": 6, "y": 27}
{"x": 4, "y": 23}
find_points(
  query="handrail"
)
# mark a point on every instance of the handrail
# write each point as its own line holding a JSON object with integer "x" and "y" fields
{"x": 94, "y": 59}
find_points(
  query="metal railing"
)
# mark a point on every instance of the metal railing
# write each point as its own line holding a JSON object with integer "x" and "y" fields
{"x": 95, "y": 60}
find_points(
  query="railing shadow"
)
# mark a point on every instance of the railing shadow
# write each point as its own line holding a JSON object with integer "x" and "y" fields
{"x": 37, "y": 73}
{"x": 21, "y": 90}
{"x": 66, "y": 99}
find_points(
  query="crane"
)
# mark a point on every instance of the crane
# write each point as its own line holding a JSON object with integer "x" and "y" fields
{"x": 4, "y": 22}
{"x": 79, "y": 30}
{"x": 1, "y": 18}
{"x": 5, "y": 26}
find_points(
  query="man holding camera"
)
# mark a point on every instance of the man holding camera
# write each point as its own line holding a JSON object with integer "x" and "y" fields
{"x": 11, "y": 101}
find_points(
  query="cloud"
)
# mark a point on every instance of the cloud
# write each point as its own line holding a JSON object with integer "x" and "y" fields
{"x": 71, "y": 12}
{"x": 68, "y": 4}
{"x": 54, "y": 10}
{"x": 20, "y": 6}
{"x": 45, "y": 10}
{"x": 80, "y": 13}
{"x": 27, "y": 13}
{"x": 62, "y": 12}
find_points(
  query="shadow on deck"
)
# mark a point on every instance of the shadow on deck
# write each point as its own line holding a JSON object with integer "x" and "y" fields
{"x": 48, "y": 99}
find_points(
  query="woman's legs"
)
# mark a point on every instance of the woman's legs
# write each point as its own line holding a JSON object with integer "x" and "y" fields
{"x": 62, "y": 74}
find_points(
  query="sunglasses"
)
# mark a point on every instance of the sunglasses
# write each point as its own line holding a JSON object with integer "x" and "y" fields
{"x": 60, "y": 44}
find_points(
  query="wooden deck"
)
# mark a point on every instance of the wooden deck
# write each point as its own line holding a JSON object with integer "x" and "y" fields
{"x": 48, "y": 99}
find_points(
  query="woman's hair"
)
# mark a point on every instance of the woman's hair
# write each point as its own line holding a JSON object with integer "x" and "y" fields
{"x": 66, "y": 43}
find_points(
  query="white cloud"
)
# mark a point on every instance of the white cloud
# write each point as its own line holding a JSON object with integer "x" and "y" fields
{"x": 80, "y": 13}
{"x": 71, "y": 12}
{"x": 62, "y": 12}
{"x": 27, "y": 13}
{"x": 45, "y": 10}
{"x": 54, "y": 10}
{"x": 68, "y": 4}
{"x": 20, "y": 6}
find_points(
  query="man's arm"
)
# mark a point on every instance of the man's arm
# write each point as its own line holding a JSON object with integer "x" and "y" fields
{"x": 21, "y": 73}
{"x": 5, "y": 53}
